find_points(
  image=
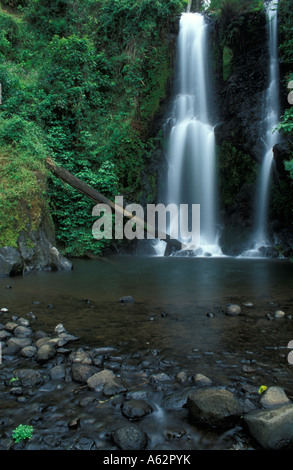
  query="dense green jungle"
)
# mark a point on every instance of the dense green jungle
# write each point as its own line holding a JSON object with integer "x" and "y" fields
{"x": 87, "y": 83}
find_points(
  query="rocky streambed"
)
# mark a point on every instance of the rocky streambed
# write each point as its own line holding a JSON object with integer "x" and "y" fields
{"x": 79, "y": 397}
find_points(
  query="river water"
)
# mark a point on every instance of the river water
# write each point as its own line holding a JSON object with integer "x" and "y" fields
{"x": 177, "y": 317}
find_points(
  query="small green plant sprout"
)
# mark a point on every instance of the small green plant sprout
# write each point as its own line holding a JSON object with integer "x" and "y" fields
{"x": 22, "y": 432}
{"x": 14, "y": 379}
{"x": 262, "y": 389}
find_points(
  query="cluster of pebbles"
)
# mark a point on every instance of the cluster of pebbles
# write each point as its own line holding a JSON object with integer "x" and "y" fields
{"x": 33, "y": 361}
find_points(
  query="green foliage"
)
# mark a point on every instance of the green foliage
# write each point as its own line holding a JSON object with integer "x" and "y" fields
{"x": 22, "y": 178}
{"x": 233, "y": 6}
{"x": 286, "y": 124}
{"x": 236, "y": 30}
{"x": 84, "y": 79}
{"x": 289, "y": 167}
{"x": 22, "y": 432}
{"x": 285, "y": 12}
{"x": 227, "y": 62}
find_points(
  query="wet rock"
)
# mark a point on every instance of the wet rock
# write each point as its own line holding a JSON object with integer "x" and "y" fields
{"x": 200, "y": 379}
{"x": 40, "y": 334}
{"x": 80, "y": 356}
{"x": 11, "y": 262}
{"x": 269, "y": 251}
{"x": 58, "y": 372}
{"x": 23, "y": 322}
{"x": 4, "y": 335}
{"x": 85, "y": 443}
{"x": 38, "y": 252}
{"x": 159, "y": 381}
{"x": 59, "y": 329}
{"x": 274, "y": 396}
{"x": 130, "y": 437}
{"x": 174, "y": 433}
{"x": 29, "y": 377}
{"x": 74, "y": 423}
{"x": 19, "y": 343}
{"x": 273, "y": 428}
{"x": 82, "y": 372}
{"x": 28, "y": 351}
{"x": 105, "y": 381}
{"x": 43, "y": 340}
{"x": 137, "y": 395}
{"x": 10, "y": 351}
{"x": 279, "y": 314}
{"x": 214, "y": 407}
{"x": 233, "y": 310}
{"x": 22, "y": 331}
{"x": 182, "y": 377}
{"x": 10, "y": 326}
{"x": 16, "y": 391}
{"x": 176, "y": 400}
{"x": 127, "y": 299}
{"x": 210, "y": 315}
{"x": 98, "y": 361}
{"x": 136, "y": 409}
{"x": 46, "y": 352}
{"x": 64, "y": 338}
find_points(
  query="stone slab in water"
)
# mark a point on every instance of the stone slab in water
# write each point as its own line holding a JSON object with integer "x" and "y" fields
{"x": 272, "y": 428}
{"x": 214, "y": 407}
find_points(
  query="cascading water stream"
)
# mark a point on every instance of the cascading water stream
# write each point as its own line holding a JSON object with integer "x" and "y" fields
{"x": 270, "y": 137}
{"x": 191, "y": 175}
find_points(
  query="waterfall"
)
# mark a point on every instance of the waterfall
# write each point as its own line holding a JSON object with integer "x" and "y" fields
{"x": 191, "y": 177}
{"x": 271, "y": 121}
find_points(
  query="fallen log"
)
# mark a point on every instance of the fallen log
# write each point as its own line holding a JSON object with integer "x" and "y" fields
{"x": 95, "y": 196}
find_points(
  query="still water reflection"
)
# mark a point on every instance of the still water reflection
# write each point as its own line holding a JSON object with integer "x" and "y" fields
{"x": 178, "y": 306}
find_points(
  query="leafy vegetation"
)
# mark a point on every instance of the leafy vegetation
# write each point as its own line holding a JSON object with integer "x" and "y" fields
{"x": 22, "y": 432}
{"x": 237, "y": 26}
{"x": 286, "y": 56}
{"x": 81, "y": 82}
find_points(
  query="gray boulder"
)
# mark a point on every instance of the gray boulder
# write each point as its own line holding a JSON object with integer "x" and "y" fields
{"x": 29, "y": 377}
{"x": 271, "y": 428}
{"x": 28, "y": 351}
{"x": 136, "y": 409}
{"x": 176, "y": 400}
{"x": 105, "y": 381}
{"x": 274, "y": 396}
{"x": 127, "y": 299}
{"x": 46, "y": 352}
{"x": 130, "y": 437}
{"x": 19, "y": 343}
{"x": 233, "y": 310}
{"x": 82, "y": 372}
{"x": 11, "y": 262}
{"x": 214, "y": 407}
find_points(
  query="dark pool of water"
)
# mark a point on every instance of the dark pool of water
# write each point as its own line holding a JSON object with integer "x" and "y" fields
{"x": 169, "y": 316}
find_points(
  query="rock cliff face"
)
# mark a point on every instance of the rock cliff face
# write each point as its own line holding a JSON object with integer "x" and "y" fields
{"x": 35, "y": 250}
{"x": 240, "y": 84}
